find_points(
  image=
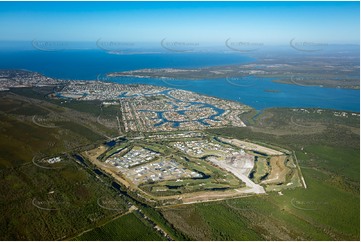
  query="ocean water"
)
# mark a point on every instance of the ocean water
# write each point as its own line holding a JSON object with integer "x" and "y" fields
{"x": 88, "y": 64}
{"x": 259, "y": 93}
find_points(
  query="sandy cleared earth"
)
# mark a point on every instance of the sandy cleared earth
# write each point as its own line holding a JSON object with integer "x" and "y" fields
{"x": 241, "y": 169}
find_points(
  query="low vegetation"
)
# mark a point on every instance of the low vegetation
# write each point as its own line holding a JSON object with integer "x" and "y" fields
{"x": 61, "y": 203}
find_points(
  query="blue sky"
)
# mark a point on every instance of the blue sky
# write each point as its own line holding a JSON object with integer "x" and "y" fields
{"x": 206, "y": 22}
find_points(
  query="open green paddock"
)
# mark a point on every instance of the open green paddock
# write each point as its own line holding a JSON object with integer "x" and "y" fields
{"x": 127, "y": 228}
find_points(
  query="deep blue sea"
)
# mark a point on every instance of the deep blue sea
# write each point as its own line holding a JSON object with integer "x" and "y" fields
{"x": 259, "y": 93}
{"x": 88, "y": 64}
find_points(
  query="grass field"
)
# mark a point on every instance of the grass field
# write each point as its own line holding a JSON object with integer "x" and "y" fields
{"x": 128, "y": 227}
{"x": 342, "y": 161}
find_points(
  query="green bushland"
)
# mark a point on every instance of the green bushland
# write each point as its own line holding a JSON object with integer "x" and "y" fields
{"x": 90, "y": 107}
{"x": 33, "y": 92}
{"x": 109, "y": 112}
{"x": 20, "y": 141}
{"x": 71, "y": 193}
{"x": 81, "y": 130}
{"x": 159, "y": 219}
{"x": 210, "y": 221}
